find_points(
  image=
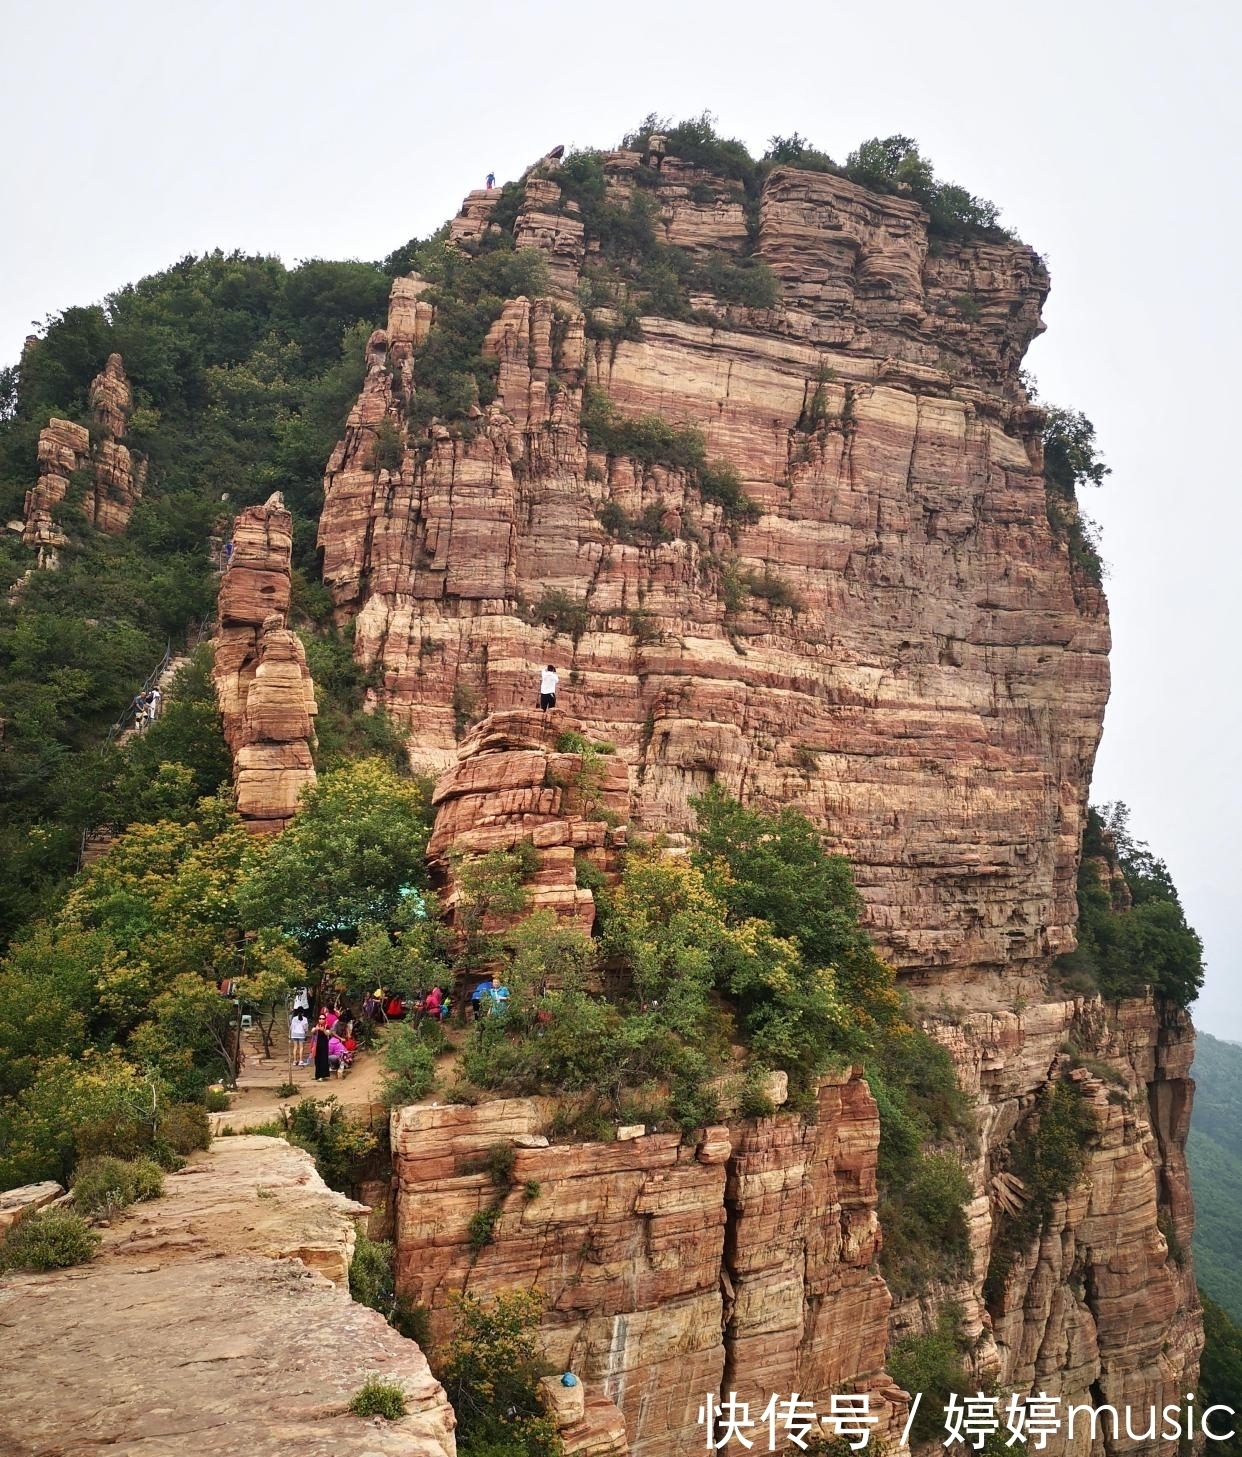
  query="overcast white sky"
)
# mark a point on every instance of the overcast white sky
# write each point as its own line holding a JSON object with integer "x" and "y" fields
{"x": 1107, "y": 130}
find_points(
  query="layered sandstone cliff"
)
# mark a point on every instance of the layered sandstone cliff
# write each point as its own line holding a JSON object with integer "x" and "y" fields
{"x": 894, "y": 640}
{"x": 1101, "y": 1307}
{"x": 669, "y": 1269}
{"x": 935, "y": 697}
{"x": 262, "y": 683}
{"x": 111, "y": 480}
{"x": 512, "y": 784}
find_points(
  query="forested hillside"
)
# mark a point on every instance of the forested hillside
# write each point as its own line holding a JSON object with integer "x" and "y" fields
{"x": 243, "y": 371}
{"x": 1215, "y": 1152}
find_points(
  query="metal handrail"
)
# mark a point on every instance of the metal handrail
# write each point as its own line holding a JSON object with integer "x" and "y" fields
{"x": 152, "y": 678}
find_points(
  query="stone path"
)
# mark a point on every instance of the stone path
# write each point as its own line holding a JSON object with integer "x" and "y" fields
{"x": 213, "y": 1321}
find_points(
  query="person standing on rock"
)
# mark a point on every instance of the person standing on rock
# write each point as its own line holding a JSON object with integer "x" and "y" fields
{"x": 491, "y": 181}
{"x": 547, "y": 688}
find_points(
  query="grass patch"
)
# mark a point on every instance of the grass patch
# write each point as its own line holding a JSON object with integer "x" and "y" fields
{"x": 379, "y": 1399}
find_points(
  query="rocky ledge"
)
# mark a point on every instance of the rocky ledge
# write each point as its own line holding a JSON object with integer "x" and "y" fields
{"x": 217, "y": 1316}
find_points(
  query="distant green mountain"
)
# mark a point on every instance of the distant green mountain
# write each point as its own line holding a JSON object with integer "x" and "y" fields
{"x": 1214, "y": 1150}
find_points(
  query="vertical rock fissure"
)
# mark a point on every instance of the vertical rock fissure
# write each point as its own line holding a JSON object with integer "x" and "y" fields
{"x": 729, "y": 1277}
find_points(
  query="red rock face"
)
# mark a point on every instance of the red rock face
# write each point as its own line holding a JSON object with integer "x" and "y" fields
{"x": 666, "y": 1267}
{"x": 919, "y": 669}
{"x": 115, "y": 483}
{"x": 897, "y": 645}
{"x": 510, "y": 785}
{"x": 263, "y": 685}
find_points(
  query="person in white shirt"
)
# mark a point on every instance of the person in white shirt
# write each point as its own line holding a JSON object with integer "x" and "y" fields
{"x": 547, "y": 688}
{"x": 299, "y": 1026}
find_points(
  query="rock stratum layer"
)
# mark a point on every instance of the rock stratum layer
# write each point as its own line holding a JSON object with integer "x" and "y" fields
{"x": 936, "y": 698}
{"x": 668, "y": 1269}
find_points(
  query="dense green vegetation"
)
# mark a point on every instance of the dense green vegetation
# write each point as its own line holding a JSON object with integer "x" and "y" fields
{"x": 243, "y": 372}
{"x": 1220, "y": 1371}
{"x": 109, "y": 1011}
{"x": 490, "y": 1373}
{"x": 1071, "y": 462}
{"x": 1125, "y": 949}
{"x": 1214, "y": 1150}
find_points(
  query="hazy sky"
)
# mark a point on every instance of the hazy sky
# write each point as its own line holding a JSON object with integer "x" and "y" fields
{"x": 1108, "y": 133}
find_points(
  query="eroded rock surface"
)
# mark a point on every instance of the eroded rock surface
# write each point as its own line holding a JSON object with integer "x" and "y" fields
{"x": 201, "y": 1327}
{"x": 110, "y": 480}
{"x": 897, "y": 645}
{"x": 263, "y": 686}
{"x": 511, "y": 784}
{"x": 1102, "y": 1307}
{"x": 667, "y": 1267}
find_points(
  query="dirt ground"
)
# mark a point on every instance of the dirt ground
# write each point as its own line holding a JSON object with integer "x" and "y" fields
{"x": 256, "y": 1101}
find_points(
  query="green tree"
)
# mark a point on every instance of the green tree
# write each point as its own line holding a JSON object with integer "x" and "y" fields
{"x": 357, "y": 844}
{"x": 775, "y": 868}
{"x": 490, "y": 1374}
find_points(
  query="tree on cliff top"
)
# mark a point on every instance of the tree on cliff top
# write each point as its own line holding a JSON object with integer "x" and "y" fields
{"x": 1149, "y": 944}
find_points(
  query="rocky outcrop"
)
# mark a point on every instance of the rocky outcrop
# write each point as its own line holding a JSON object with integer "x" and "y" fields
{"x": 1101, "y": 1308}
{"x": 667, "y": 1268}
{"x": 15, "y": 1204}
{"x": 898, "y": 643}
{"x": 263, "y": 686}
{"x": 217, "y": 1317}
{"x": 511, "y": 785}
{"x": 111, "y": 481}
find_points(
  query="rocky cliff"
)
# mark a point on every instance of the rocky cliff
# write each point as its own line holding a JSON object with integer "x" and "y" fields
{"x": 896, "y": 643}
{"x": 877, "y": 624}
{"x": 111, "y": 480}
{"x": 668, "y": 1269}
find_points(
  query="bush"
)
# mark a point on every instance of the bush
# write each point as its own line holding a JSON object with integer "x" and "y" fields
{"x": 379, "y": 1399}
{"x": 491, "y": 1373}
{"x": 337, "y": 1141}
{"x": 409, "y": 1063}
{"x": 217, "y": 1100}
{"x": 501, "y": 1158}
{"x": 482, "y": 1226}
{"x": 1125, "y": 951}
{"x": 562, "y": 613}
{"x": 52, "y": 1239}
{"x": 103, "y": 1185}
{"x": 931, "y": 1364}
{"x": 183, "y": 1128}
{"x": 372, "y": 1282}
